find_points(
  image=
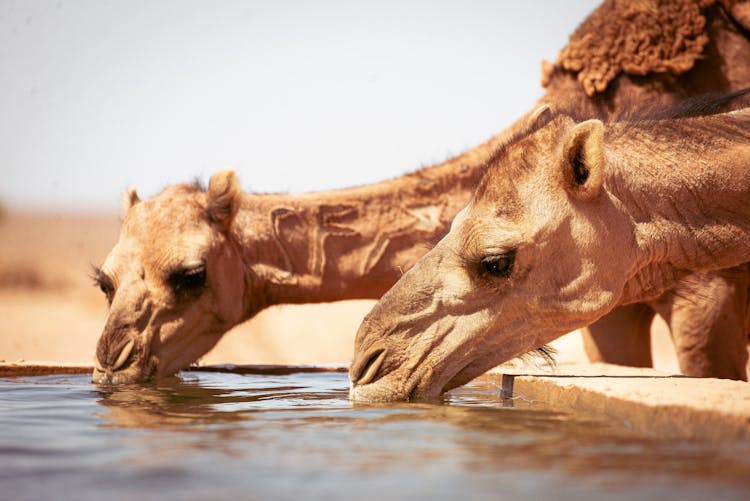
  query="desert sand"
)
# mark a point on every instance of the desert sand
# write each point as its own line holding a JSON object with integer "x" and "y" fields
{"x": 52, "y": 312}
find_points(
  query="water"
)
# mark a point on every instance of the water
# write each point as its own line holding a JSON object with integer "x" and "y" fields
{"x": 296, "y": 436}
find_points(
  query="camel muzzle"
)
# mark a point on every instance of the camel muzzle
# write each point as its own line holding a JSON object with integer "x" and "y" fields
{"x": 104, "y": 373}
{"x": 363, "y": 373}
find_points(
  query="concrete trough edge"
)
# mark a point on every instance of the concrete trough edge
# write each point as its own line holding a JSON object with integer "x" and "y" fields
{"x": 22, "y": 369}
{"x": 647, "y": 403}
{"x": 39, "y": 368}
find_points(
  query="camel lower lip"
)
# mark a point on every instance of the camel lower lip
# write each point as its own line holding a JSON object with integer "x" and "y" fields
{"x": 129, "y": 374}
{"x": 422, "y": 396}
{"x": 108, "y": 378}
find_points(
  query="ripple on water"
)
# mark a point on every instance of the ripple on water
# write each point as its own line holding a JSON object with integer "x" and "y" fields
{"x": 285, "y": 436}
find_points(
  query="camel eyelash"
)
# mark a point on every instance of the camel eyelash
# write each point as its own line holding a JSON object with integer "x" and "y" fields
{"x": 190, "y": 281}
{"x": 490, "y": 264}
{"x": 498, "y": 265}
{"x": 101, "y": 280}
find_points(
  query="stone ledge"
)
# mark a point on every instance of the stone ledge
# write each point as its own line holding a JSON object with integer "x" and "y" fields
{"x": 35, "y": 368}
{"x": 644, "y": 401}
{"x": 40, "y": 368}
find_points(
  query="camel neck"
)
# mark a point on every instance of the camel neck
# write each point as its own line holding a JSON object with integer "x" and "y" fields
{"x": 688, "y": 199}
{"x": 352, "y": 243}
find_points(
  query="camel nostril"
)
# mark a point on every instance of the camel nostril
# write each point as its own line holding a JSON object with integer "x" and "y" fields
{"x": 367, "y": 372}
{"x": 124, "y": 355}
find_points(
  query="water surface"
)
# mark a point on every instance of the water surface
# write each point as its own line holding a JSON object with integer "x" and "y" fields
{"x": 222, "y": 435}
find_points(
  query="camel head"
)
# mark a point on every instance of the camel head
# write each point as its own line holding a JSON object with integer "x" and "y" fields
{"x": 175, "y": 281}
{"x": 521, "y": 265}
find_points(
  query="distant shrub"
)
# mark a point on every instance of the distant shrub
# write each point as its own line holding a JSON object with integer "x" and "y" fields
{"x": 20, "y": 277}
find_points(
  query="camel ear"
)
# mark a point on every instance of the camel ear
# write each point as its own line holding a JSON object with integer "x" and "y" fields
{"x": 583, "y": 159}
{"x": 223, "y": 198}
{"x": 129, "y": 199}
{"x": 543, "y": 112}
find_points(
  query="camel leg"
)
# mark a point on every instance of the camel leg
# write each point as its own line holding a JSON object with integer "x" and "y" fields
{"x": 621, "y": 337}
{"x": 706, "y": 315}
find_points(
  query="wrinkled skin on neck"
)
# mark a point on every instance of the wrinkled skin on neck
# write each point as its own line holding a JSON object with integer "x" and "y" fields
{"x": 175, "y": 282}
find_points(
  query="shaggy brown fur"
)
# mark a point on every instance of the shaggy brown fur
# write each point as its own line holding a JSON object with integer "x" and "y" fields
{"x": 639, "y": 37}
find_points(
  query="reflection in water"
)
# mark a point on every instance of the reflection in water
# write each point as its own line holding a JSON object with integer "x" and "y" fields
{"x": 297, "y": 435}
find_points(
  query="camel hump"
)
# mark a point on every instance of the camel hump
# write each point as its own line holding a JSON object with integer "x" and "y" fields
{"x": 637, "y": 38}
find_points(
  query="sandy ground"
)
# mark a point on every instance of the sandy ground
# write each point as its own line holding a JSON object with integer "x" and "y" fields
{"x": 50, "y": 310}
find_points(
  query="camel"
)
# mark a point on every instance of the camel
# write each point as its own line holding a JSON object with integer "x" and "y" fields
{"x": 191, "y": 263}
{"x": 572, "y": 219}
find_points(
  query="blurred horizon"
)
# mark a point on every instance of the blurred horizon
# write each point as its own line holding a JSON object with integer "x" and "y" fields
{"x": 296, "y": 96}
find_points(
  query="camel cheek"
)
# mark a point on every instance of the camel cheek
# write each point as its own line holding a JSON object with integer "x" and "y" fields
{"x": 228, "y": 287}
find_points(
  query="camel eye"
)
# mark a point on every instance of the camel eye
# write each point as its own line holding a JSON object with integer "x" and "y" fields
{"x": 500, "y": 265}
{"x": 189, "y": 281}
{"x": 104, "y": 283}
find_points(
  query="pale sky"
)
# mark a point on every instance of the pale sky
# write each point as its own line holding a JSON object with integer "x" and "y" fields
{"x": 97, "y": 96}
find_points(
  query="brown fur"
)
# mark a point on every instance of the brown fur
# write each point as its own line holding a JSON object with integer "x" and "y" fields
{"x": 638, "y": 38}
{"x": 267, "y": 249}
{"x": 635, "y": 37}
{"x": 660, "y": 201}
